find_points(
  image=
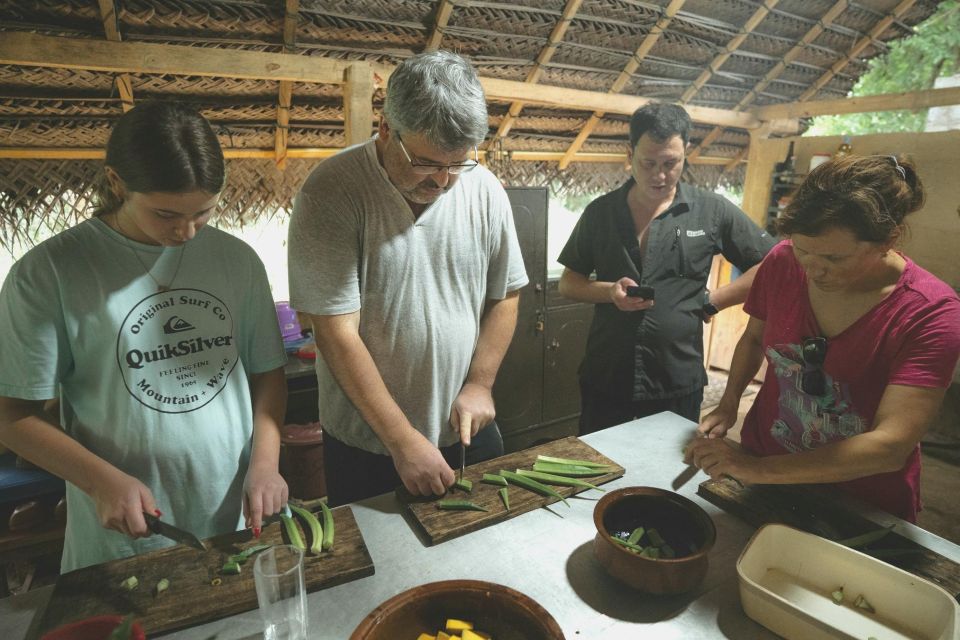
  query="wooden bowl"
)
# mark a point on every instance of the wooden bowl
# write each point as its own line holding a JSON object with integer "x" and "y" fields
{"x": 685, "y": 526}
{"x": 502, "y": 612}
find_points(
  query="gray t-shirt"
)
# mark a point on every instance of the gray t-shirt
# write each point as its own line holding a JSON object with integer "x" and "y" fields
{"x": 420, "y": 284}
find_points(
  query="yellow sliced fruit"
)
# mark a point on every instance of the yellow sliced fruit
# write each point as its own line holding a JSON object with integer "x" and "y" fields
{"x": 457, "y": 625}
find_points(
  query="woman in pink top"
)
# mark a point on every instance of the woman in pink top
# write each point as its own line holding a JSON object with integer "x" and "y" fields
{"x": 860, "y": 343}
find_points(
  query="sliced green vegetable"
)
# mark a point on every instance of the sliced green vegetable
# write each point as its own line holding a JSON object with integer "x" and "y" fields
{"x": 573, "y": 471}
{"x": 629, "y": 545}
{"x": 162, "y": 586}
{"x": 231, "y": 568}
{"x": 464, "y": 484}
{"x": 316, "y": 531}
{"x": 862, "y": 603}
{"x": 636, "y": 535}
{"x": 458, "y": 505}
{"x": 655, "y": 538}
{"x": 492, "y": 478}
{"x": 327, "y": 526}
{"x": 130, "y": 583}
{"x": 505, "y": 496}
{"x": 550, "y": 478}
{"x": 257, "y": 548}
{"x": 651, "y": 552}
{"x": 293, "y": 533}
{"x": 837, "y": 595}
{"x": 239, "y": 558}
{"x": 866, "y": 538}
{"x": 667, "y": 551}
{"x": 531, "y": 485}
{"x": 122, "y": 630}
{"x": 569, "y": 461}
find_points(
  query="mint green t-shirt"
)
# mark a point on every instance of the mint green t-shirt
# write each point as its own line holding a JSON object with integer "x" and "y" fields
{"x": 153, "y": 382}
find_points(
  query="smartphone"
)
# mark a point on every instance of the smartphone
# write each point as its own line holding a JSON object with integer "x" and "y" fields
{"x": 643, "y": 291}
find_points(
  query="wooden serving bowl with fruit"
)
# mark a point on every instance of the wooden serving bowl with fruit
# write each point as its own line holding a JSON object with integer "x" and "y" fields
{"x": 492, "y": 611}
{"x": 652, "y": 539}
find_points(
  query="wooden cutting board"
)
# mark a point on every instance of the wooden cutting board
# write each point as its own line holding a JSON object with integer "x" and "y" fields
{"x": 192, "y": 598}
{"x": 443, "y": 525}
{"x": 810, "y": 509}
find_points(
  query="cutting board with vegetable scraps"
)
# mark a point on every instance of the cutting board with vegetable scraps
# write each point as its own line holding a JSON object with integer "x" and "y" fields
{"x": 440, "y": 525}
{"x": 810, "y": 509}
{"x": 198, "y": 591}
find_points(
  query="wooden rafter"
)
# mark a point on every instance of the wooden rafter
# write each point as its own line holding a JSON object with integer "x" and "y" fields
{"x": 357, "y": 104}
{"x": 62, "y": 153}
{"x": 666, "y": 17}
{"x": 812, "y": 34}
{"x": 111, "y": 28}
{"x": 444, "y": 9}
{"x": 32, "y": 50}
{"x": 882, "y": 25}
{"x": 728, "y": 50}
{"x": 737, "y": 159}
{"x": 556, "y": 35}
{"x": 912, "y": 100}
{"x": 285, "y": 90}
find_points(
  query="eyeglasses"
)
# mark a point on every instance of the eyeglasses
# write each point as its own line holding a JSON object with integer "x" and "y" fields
{"x": 813, "y": 380}
{"x": 426, "y": 169}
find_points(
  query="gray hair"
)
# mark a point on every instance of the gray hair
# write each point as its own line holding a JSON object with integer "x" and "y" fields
{"x": 439, "y": 95}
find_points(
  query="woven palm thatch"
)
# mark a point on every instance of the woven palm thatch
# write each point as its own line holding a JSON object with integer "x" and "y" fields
{"x": 64, "y": 108}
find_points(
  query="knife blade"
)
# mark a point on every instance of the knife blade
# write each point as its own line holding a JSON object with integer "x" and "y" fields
{"x": 690, "y": 470}
{"x": 167, "y": 530}
{"x": 465, "y": 419}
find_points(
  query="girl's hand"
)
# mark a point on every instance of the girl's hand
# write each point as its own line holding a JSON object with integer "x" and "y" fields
{"x": 120, "y": 500}
{"x": 264, "y": 494}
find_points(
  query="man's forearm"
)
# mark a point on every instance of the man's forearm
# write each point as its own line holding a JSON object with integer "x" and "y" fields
{"x": 353, "y": 367}
{"x": 497, "y": 325}
{"x": 581, "y": 288}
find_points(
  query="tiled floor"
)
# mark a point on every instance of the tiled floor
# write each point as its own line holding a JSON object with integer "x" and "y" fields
{"x": 939, "y": 487}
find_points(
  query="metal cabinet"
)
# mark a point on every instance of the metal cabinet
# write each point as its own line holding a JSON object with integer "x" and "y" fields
{"x": 536, "y": 391}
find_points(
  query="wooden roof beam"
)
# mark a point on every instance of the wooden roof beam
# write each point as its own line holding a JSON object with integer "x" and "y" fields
{"x": 732, "y": 46}
{"x": 812, "y": 34}
{"x": 111, "y": 28}
{"x": 444, "y": 9}
{"x": 666, "y": 17}
{"x": 291, "y": 15}
{"x": 358, "y": 104}
{"x": 882, "y": 25}
{"x": 556, "y": 35}
{"x": 912, "y": 101}
{"x": 65, "y": 153}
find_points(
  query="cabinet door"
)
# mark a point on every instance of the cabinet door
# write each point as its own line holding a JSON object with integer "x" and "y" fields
{"x": 566, "y": 339}
{"x": 518, "y": 391}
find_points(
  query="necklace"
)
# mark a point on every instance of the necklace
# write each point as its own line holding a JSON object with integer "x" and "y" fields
{"x": 161, "y": 288}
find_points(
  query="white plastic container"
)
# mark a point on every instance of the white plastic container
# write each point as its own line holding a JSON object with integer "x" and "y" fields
{"x": 787, "y": 577}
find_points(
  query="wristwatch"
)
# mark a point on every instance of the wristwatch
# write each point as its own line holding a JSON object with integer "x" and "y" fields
{"x": 708, "y": 308}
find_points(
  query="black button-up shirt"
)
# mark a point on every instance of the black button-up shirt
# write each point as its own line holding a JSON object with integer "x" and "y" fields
{"x": 658, "y": 353}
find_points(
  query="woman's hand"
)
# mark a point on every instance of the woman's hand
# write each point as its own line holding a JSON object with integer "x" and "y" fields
{"x": 264, "y": 494}
{"x": 719, "y": 458}
{"x": 716, "y": 423}
{"x": 120, "y": 500}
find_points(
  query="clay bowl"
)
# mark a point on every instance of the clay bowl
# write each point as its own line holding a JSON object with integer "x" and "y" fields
{"x": 686, "y": 528}
{"x": 500, "y": 611}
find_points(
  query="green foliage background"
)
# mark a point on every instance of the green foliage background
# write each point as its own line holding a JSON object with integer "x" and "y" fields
{"x": 911, "y": 64}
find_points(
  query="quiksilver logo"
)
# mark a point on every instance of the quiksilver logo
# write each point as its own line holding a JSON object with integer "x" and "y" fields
{"x": 136, "y": 358}
{"x": 176, "y": 324}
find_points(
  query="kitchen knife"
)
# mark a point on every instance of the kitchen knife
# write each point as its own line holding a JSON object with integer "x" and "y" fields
{"x": 465, "y": 419}
{"x": 166, "y": 530}
{"x": 691, "y": 470}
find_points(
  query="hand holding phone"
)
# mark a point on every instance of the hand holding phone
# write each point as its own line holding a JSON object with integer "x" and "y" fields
{"x": 643, "y": 291}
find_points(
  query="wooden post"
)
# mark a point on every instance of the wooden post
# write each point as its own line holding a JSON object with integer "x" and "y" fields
{"x": 357, "y": 104}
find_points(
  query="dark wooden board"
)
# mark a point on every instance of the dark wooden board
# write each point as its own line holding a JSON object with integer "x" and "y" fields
{"x": 191, "y": 598}
{"x": 443, "y": 525}
{"x": 810, "y": 509}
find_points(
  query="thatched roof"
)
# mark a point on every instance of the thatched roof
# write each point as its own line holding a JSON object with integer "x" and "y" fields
{"x": 731, "y": 55}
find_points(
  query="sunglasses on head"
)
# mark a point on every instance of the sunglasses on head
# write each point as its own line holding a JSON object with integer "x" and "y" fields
{"x": 813, "y": 380}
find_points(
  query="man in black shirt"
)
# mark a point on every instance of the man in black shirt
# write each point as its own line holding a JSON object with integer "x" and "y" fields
{"x": 644, "y": 357}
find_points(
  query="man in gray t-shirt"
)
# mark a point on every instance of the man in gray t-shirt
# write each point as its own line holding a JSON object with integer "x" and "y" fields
{"x": 404, "y": 255}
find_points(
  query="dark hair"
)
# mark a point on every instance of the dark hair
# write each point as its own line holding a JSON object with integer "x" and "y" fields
{"x": 869, "y": 195}
{"x": 161, "y": 147}
{"x": 661, "y": 122}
